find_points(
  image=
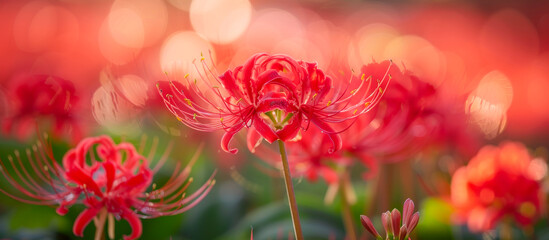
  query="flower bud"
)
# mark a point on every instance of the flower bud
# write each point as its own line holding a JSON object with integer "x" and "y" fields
{"x": 387, "y": 223}
{"x": 407, "y": 211}
{"x": 395, "y": 218}
{"x": 367, "y": 223}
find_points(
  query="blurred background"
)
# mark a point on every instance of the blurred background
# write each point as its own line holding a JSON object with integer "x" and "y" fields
{"x": 101, "y": 60}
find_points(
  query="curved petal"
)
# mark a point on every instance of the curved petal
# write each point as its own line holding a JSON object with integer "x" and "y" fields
{"x": 264, "y": 130}
{"x": 245, "y": 75}
{"x": 228, "y": 136}
{"x": 229, "y": 83}
{"x": 136, "y": 183}
{"x": 83, "y": 220}
{"x": 77, "y": 176}
{"x": 253, "y": 139}
{"x": 110, "y": 173}
{"x": 135, "y": 224}
{"x": 291, "y": 129}
{"x": 271, "y": 76}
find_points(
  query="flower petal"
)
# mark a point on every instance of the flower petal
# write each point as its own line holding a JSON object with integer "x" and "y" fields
{"x": 228, "y": 136}
{"x": 291, "y": 129}
{"x": 110, "y": 173}
{"x": 82, "y": 179}
{"x": 135, "y": 224}
{"x": 83, "y": 220}
{"x": 229, "y": 83}
{"x": 253, "y": 139}
{"x": 264, "y": 130}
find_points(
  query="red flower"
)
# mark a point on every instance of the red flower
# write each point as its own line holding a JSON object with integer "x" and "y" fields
{"x": 391, "y": 220}
{"x": 41, "y": 96}
{"x": 273, "y": 95}
{"x": 401, "y": 124}
{"x": 107, "y": 178}
{"x": 310, "y": 158}
{"x": 497, "y": 182}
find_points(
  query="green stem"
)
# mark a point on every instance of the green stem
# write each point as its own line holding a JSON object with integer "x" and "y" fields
{"x": 290, "y": 192}
{"x": 347, "y": 216}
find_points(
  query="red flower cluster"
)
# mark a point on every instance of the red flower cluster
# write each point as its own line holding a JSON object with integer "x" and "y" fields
{"x": 497, "y": 182}
{"x": 107, "y": 178}
{"x": 274, "y": 96}
{"x": 41, "y": 96}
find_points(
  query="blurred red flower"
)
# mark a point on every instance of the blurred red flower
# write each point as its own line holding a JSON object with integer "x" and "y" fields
{"x": 274, "y": 96}
{"x": 310, "y": 158}
{"x": 497, "y": 182}
{"x": 41, "y": 97}
{"x": 110, "y": 179}
{"x": 400, "y": 124}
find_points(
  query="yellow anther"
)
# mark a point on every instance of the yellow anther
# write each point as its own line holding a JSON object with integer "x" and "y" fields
{"x": 362, "y": 77}
{"x": 353, "y": 92}
{"x": 355, "y": 111}
{"x": 186, "y": 75}
{"x": 328, "y": 104}
{"x": 314, "y": 95}
{"x": 367, "y": 104}
{"x": 188, "y": 102}
{"x": 194, "y": 116}
{"x": 238, "y": 101}
{"x": 221, "y": 119}
{"x": 380, "y": 90}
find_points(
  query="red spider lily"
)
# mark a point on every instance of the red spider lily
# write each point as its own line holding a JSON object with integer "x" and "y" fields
{"x": 309, "y": 157}
{"x": 41, "y": 96}
{"x": 274, "y": 96}
{"x": 497, "y": 182}
{"x": 108, "y": 178}
{"x": 394, "y": 228}
{"x": 402, "y": 121}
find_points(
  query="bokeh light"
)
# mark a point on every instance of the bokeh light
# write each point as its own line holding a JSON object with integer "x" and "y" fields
{"x": 220, "y": 21}
{"x": 489, "y": 102}
{"x": 181, "y": 49}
